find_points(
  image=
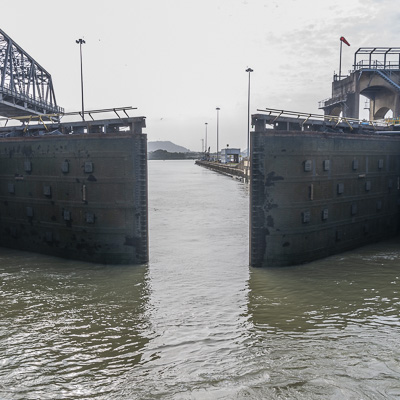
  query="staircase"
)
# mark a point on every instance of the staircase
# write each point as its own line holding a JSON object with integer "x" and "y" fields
{"x": 387, "y": 79}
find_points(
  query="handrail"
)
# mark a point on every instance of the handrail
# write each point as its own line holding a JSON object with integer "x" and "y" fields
{"x": 30, "y": 99}
{"x": 376, "y": 64}
{"x": 71, "y": 113}
{"x": 392, "y": 121}
{"x": 335, "y": 99}
{"x": 273, "y": 112}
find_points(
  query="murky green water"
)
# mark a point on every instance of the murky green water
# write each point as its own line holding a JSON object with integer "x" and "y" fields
{"x": 197, "y": 322}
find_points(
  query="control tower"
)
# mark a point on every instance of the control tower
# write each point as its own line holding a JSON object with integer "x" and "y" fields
{"x": 26, "y": 87}
{"x": 375, "y": 75}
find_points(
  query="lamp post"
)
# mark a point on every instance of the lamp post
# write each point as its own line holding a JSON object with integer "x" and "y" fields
{"x": 217, "y": 131}
{"x": 249, "y": 70}
{"x": 80, "y": 42}
{"x": 206, "y": 137}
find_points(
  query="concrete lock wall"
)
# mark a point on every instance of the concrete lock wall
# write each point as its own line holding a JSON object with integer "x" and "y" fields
{"x": 313, "y": 194}
{"x": 76, "y": 196}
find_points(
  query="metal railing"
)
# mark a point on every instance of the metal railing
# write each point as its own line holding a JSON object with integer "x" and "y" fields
{"x": 44, "y": 119}
{"x": 331, "y": 101}
{"x": 337, "y": 77}
{"x": 392, "y": 121}
{"x": 334, "y": 119}
{"x": 375, "y": 64}
{"x": 322, "y": 103}
{"x": 39, "y": 117}
{"x": 30, "y": 99}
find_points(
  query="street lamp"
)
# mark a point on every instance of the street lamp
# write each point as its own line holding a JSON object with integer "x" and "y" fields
{"x": 249, "y": 70}
{"x": 217, "y": 131}
{"x": 206, "y": 136}
{"x": 80, "y": 42}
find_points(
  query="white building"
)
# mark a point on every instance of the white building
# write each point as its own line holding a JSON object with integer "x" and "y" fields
{"x": 229, "y": 155}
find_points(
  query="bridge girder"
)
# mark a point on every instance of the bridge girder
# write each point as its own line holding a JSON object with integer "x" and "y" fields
{"x": 26, "y": 88}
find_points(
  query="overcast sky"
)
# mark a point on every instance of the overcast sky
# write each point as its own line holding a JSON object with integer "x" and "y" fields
{"x": 177, "y": 60}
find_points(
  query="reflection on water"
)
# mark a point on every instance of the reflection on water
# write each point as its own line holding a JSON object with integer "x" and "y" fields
{"x": 330, "y": 328}
{"x": 197, "y": 322}
{"x": 356, "y": 288}
{"x": 65, "y": 324}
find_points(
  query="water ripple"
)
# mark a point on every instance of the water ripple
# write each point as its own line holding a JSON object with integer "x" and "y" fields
{"x": 197, "y": 322}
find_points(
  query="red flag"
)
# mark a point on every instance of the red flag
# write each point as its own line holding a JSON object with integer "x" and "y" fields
{"x": 344, "y": 41}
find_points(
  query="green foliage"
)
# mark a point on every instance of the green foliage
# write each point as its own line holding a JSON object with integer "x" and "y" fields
{"x": 165, "y": 155}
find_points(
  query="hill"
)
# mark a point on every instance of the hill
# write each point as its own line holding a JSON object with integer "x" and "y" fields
{"x": 167, "y": 146}
{"x": 165, "y": 155}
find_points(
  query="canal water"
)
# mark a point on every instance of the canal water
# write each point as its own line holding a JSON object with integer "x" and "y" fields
{"x": 197, "y": 322}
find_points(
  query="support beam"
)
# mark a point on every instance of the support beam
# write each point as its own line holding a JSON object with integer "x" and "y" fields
{"x": 26, "y": 88}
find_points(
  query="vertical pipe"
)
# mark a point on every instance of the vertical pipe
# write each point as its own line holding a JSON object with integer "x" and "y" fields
{"x": 340, "y": 61}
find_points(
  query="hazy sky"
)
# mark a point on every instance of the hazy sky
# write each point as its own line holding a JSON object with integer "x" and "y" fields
{"x": 177, "y": 60}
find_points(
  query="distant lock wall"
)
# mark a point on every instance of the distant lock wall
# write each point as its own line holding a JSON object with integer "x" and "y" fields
{"x": 76, "y": 196}
{"x": 316, "y": 194}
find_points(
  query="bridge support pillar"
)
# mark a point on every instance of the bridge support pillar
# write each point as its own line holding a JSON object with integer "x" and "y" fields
{"x": 345, "y": 99}
{"x": 383, "y": 101}
{"x": 351, "y": 107}
{"x": 382, "y": 88}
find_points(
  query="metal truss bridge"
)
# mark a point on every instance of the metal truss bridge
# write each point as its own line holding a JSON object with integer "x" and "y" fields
{"x": 26, "y": 87}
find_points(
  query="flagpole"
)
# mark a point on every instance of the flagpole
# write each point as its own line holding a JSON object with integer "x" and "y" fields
{"x": 340, "y": 62}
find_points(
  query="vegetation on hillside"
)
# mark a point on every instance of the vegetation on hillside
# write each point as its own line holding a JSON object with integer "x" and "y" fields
{"x": 165, "y": 155}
